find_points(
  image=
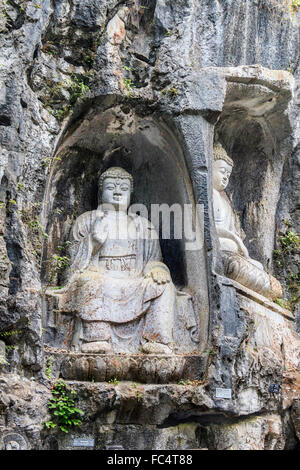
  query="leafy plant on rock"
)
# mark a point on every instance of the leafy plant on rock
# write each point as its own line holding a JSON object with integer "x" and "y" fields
{"x": 62, "y": 407}
{"x": 114, "y": 381}
{"x": 294, "y": 6}
{"x": 285, "y": 257}
{"x": 77, "y": 88}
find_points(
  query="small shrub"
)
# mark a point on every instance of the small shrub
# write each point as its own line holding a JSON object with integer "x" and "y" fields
{"x": 62, "y": 407}
{"x": 77, "y": 88}
{"x": 190, "y": 382}
{"x": 35, "y": 224}
{"x": 289, "y": 245}
{"x": 128, "y": 84}
{"x": 48, "y": 371}
{"x": 114, "y": 381}
{"x": 173, "y": 91}
{"x": 3, "y": 361}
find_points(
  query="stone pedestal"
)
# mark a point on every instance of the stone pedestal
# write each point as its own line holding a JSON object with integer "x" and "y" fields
{"x": 138, "y": 368}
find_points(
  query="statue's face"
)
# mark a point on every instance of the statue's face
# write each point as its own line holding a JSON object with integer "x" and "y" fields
{"x": 116, "y": 191}
{"x": 221, "y": 174}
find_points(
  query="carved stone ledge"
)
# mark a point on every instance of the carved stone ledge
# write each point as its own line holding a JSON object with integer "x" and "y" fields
{"x": 155, "y": 369}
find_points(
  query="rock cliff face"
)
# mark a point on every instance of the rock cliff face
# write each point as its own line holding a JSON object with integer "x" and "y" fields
{"x": 82, "y": 78}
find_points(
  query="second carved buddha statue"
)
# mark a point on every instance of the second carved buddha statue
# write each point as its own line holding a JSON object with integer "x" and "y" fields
{"x": 237, "y": 263}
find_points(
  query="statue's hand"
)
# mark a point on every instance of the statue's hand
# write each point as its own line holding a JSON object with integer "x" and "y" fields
{"x": 100, "y": 232}
{"x": 160, "y": 276}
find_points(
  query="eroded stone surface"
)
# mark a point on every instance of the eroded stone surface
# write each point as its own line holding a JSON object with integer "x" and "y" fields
{"x": 182, "y": 58}
{"x": 143, "y": 368}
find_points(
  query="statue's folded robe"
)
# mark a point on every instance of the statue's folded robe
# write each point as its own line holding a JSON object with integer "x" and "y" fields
{"x": 117, "y": 296}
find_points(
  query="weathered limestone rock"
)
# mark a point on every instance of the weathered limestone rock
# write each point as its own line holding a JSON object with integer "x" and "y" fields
{"x": 296, "y": 416}
{"x": 80, "y": 79}
{"x": 23, "y": 410}
{"x": 259, "y": 433}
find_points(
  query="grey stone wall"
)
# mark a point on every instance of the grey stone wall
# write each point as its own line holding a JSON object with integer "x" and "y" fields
{"x": 159, "y": 58}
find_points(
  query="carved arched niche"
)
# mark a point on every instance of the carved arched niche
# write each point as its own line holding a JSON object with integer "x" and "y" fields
{"x": 146, "y": 148}
{"x": 255, "y": 130}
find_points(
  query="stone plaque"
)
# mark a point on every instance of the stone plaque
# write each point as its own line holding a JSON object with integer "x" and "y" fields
{"x": 223, "y": 393}
{"x": 83, "y": 442}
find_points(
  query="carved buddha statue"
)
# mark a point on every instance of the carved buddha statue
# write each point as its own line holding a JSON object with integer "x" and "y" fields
{"x": 120, "y": 290}
{"x": 237, "y": 263}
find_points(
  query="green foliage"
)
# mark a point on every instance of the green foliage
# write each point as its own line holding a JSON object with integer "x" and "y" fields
{"x": 77, "y": 88}
{"x": 57, "y": 264}
{"x": 11, "y": 204}
{"x": 189, "y": 382}
{"x": 284, "y": 256}
{"x": 36, "y": 233}
{"x": 289, "y": 241}
{"x": 138, "y": 393}
{"x": 61, "y": 113}
{"x": 4, "y": 334}
{"x": 294, "y": 6}
{"x": 48, "y": 160}
{"x": 62, "y": 407}
{"x": 35, "y": 224}
{"x": 210, "y": 352}
{"x": 114, "y": 381}
{"x": 60, "y": 262}
{"x": 128, "y": 84}
{"x": 10, "y": 347}
{"x": 172, "y": 91}
{"x": 170, "y": 32}
{"x": 89, "y": 58}
{"x": 283, "y": 303}
{"x": 3, "y": 361}
{"x": 48, "y": 370}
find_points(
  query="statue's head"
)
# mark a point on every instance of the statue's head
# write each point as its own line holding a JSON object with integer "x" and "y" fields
{"x": 115, "y": 187}
{"x": 222, "y": 168}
